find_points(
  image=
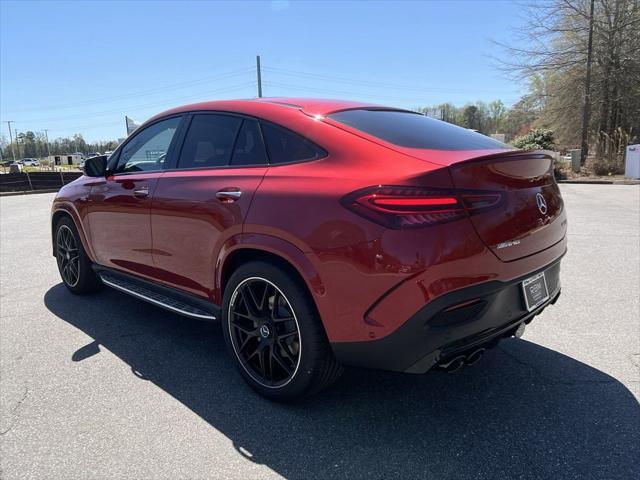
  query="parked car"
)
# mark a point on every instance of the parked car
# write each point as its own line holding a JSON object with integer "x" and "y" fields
{"x": 29, "y": 162}
{"x": 320, "y": 234}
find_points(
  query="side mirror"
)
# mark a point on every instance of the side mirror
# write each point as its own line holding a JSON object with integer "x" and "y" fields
{"x": 95, "y": 166}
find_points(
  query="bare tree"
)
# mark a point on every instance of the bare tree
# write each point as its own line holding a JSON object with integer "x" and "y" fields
{"x": 587, "y": 54}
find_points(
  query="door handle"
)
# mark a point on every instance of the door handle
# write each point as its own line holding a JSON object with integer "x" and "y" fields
{"x": 228, "y": 196}
{"x": 141, "y": 192}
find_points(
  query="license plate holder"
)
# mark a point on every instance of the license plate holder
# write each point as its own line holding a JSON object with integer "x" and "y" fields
{"x": 535, "y": 291}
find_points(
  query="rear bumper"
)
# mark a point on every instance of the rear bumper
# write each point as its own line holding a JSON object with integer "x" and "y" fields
{"x": 451, "y": 324}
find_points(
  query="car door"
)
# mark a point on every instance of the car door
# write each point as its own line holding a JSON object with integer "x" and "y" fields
{"x": 119, "y": 208}
{"x": 204, "y": 199}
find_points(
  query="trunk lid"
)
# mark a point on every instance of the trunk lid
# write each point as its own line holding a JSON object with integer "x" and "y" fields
{"x": 530, "y": 216}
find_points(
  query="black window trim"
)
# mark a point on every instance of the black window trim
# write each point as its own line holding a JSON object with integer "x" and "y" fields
{"x": 177, "y": 143}
{"x": 115, "y": 156}
{"x": 173, "y": 166}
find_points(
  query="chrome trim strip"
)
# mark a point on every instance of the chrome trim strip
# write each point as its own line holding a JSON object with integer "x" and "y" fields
{"x": 156, "y": 302}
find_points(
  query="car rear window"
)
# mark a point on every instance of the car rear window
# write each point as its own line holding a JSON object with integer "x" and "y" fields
{"x": 413, "y": 130}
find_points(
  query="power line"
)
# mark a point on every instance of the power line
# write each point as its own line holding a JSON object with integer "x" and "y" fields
{"x": 140, "y": 93}
{"x": 351, "y": 94}
{"x": 139, "y": 106}
{"x": 361, "y": 82}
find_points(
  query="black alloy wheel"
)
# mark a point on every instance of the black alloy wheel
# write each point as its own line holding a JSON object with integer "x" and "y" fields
{"x": 264, "y": 332}
{"x": 68, "y": 256}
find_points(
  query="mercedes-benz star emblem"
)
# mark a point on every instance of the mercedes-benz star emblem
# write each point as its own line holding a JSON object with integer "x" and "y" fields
{"x": 264, "y": 331}
{"x": 542, "y": 203}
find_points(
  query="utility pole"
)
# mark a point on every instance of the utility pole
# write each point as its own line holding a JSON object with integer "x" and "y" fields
{"x": 46, "y": 136}
{"x": 586, "y": 111}
{"x": 13, "y": 152}
{"x": 259, "y": 73}
{"x": 17, "y": 141}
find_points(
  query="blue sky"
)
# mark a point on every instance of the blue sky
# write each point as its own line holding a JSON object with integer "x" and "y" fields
{"x": 79, "y": 67}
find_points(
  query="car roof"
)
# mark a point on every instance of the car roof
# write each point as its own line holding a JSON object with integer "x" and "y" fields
{"x": 310, "y": 106}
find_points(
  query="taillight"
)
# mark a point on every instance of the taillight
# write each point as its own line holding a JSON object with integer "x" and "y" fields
{"x": 412, "y": 207}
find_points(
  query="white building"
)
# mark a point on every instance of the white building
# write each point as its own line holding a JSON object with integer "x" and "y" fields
{"x": 66, "y": 159}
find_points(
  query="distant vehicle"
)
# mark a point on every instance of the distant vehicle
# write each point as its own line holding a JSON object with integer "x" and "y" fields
{"x": 29, "y": 162}
{"x": 94, "y": 154}
{"x": 108, "y": 152}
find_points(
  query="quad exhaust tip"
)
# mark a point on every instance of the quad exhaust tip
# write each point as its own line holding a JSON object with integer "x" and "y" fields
{"x": 473, "y": 357}
{"x": 460, "y": 361}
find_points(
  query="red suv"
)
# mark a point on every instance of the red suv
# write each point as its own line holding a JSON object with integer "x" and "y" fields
{"x": 320, "y": 233}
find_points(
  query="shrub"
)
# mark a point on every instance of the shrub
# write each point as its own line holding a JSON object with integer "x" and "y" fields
{"x": 536, "y": 139}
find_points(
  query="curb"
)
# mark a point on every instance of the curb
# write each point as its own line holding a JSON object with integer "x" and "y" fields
{"x": 28, "y": 192}
{"x": 601, "y": 182}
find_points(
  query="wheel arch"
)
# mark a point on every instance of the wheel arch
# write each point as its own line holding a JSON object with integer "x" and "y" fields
{"x": 61, "y": 212}
{"x": 245, "y": 248}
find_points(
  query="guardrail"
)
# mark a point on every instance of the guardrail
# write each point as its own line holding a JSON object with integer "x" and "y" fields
{"x": 24, "y": 181}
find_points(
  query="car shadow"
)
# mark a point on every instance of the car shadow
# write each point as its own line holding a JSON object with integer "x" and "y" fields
{"x": 524, "y": 411}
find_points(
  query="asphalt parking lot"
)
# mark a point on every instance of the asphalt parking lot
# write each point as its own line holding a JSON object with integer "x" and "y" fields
{"x": 108, "y": 387}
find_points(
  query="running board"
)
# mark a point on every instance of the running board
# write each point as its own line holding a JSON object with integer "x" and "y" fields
{"x": 160, "y": 296}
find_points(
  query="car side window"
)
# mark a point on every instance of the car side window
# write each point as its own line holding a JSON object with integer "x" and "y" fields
{"x": 209, "y": 141}
{"x": 249, "y": 149}
{"x": 285, "y": 146}
{"x": 147, "y": 151}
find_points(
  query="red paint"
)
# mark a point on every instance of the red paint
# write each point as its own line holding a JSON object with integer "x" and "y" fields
{"x": 365, "y": 278}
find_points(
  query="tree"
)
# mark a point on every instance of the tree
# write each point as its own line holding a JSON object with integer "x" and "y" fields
{"x": 537, "y": 139}
{"x": 471, "y": 117}
{"x": 556, "y": 46}
{"x": 497, "y": 113}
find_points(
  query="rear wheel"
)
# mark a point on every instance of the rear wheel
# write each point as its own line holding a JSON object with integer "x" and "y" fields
{"x": 73, "y": 263}
{"x": 274, "y": 333}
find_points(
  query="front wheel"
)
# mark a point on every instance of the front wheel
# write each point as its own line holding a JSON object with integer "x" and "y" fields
{"x": 274, "y": 333}
{"x": 73, "y": 263}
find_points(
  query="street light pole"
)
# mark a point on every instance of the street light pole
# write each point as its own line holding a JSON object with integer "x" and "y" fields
{"x": 13, "y": 152}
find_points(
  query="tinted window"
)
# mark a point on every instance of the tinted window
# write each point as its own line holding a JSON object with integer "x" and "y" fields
{"x": 209, "y": 141}
{"x": 285, "y": 146}
{"x": 148, "y": 149}
{"x": 413, "y": 130}
{"x": 249, "y": 148}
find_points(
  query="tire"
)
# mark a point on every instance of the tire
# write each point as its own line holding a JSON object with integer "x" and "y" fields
{"x": 293, "y": 359}
{"x": 73, "y": 263}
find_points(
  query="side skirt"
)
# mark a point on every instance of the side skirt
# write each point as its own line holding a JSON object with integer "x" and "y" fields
{"x": 168, "y": 298}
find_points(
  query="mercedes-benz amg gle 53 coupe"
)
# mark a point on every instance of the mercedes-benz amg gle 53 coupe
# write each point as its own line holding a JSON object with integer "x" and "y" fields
{"x": 320, "y": 233}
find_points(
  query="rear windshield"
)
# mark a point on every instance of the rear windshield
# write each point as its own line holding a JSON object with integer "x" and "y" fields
{"x": 413, "y": 130}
